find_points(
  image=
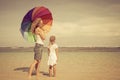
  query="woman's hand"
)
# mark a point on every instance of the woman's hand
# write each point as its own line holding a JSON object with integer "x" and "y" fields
{"x": 36, "y": 23}
{"x": 40, "y": 32}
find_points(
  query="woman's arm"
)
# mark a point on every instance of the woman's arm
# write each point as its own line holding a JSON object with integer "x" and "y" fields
{"x": 33, "y": 25}
{"x": 41, "y": 33}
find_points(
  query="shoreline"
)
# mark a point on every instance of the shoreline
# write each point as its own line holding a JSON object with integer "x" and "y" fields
{"x": 64, "y": 49}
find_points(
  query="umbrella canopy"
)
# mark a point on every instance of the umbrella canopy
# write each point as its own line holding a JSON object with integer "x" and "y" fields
{"x": 38, "y": 12}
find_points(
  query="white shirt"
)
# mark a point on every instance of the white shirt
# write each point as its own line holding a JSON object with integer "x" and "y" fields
{"x": 52, "y": 48}
{"x": 39, "y": 40}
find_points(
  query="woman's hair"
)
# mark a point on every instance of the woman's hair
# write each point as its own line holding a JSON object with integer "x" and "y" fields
{"x": 39, "y": 22}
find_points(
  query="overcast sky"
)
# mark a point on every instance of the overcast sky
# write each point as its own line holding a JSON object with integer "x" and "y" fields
{"x": 76, "y": 22}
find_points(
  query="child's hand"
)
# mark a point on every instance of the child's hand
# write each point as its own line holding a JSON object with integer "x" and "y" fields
{"x": 57, "y": 60}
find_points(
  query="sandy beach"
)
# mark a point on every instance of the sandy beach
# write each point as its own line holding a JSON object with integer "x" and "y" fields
{"x": 71, "y": 66}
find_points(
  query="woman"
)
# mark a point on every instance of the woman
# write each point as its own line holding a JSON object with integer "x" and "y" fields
{"x": 36, "y": 28}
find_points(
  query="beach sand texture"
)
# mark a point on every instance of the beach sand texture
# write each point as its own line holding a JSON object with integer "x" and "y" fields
{"x": 71, "y": 66}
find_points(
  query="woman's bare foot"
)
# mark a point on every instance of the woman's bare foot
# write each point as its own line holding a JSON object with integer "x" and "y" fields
{"x": 29, "y": 76}
{"x": 54, "y": 75}
{"x": 37, "y": 74}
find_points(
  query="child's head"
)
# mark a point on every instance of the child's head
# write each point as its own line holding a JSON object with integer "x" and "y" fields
{"x": 52, "y": 39}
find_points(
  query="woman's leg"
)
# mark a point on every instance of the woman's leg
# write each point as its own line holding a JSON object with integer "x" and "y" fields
{"x": 31, "y": 68}
{"x": 37, "y": 68}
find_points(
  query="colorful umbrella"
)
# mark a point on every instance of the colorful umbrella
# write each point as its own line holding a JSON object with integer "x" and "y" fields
{"x": 33, "y": 14}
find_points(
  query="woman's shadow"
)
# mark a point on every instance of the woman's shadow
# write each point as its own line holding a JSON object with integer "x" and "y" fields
{"x": 23, "y": 69}
{"x": 26, "y": 69}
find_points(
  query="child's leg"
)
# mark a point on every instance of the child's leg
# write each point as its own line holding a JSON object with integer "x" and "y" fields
{"x": 54, "y": 70}
{"x": 31, "y": 68}
{"x": 50, "y": 70}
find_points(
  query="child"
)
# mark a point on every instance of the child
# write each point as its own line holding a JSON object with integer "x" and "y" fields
{"x": 53, "y": 56}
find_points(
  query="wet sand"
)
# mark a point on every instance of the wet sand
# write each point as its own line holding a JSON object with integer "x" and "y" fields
{"x": 71, "y": 66}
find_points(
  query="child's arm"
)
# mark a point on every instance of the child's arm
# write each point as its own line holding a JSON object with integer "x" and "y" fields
{"x": 48, "y": 51}
{"x": 56, "y": 50}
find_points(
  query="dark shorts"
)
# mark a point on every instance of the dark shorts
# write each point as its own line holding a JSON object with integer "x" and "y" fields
{"x": 38, "y": 49}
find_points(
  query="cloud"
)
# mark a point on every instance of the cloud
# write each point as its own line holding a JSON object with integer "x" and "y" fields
{"x": 91, "y": 26}
{"x": 75, "y": 21}
{"x": 64, "y": 28}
